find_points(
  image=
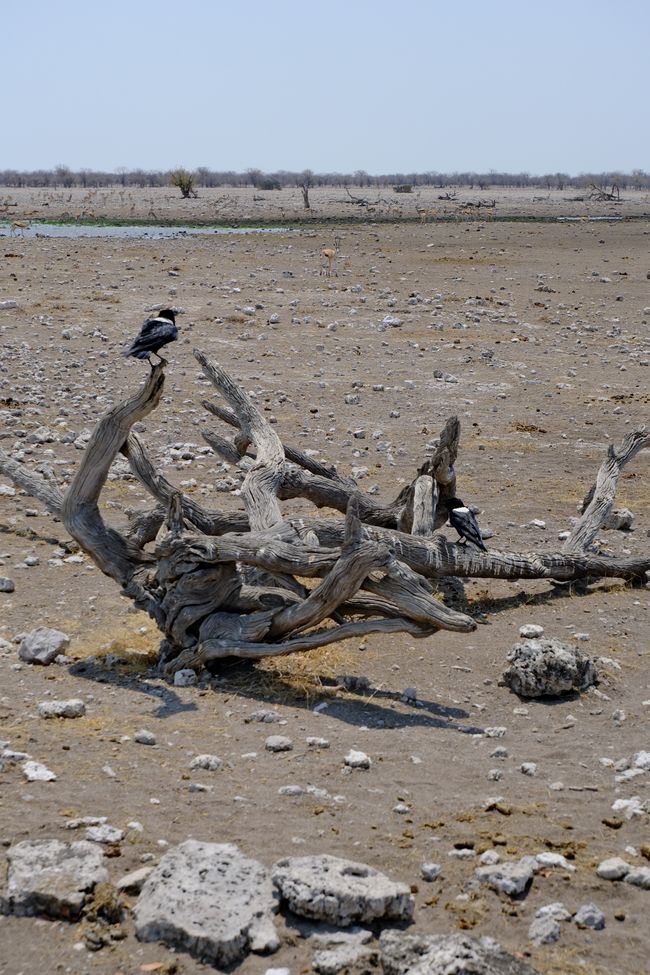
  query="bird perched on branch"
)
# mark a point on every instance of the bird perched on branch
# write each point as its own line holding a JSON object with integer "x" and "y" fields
{"x": 463, "y": 520}
{"x": 155, "y": 333}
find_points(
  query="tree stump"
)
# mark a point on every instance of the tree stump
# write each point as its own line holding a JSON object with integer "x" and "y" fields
{"x": 260, "y": 583}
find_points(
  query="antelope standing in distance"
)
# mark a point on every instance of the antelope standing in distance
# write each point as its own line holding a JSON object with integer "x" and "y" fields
{"x": 21, "y": 225}
{"x": 329, "y": 253}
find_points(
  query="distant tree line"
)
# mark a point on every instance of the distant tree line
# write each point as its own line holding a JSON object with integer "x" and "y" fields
{"x": 66, "y": 178}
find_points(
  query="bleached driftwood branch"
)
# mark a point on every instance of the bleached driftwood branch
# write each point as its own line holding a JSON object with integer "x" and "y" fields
{"x": 225, "y": 584}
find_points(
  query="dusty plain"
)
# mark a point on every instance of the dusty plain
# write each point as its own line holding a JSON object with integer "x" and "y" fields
{"x": 540, "y": 333}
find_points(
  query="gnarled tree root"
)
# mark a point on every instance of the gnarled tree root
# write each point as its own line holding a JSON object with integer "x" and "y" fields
{"x": 236, "y": 584}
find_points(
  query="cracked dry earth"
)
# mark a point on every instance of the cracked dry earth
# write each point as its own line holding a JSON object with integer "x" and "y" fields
{"x": 536, "y": 336}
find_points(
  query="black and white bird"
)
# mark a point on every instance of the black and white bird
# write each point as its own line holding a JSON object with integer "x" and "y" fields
{"x": 463, "y": 520}
{"x": 155, "y": 333}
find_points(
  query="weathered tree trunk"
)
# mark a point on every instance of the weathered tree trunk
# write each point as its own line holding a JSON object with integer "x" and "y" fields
{"x": 222, "y": 584}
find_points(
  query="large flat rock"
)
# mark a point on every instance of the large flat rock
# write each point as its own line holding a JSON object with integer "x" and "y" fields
{"x": 338, "y": 891}
{"x": 210, "y": 900}
{"x": 447, "y": 954}
{"x": 51, "y": 877}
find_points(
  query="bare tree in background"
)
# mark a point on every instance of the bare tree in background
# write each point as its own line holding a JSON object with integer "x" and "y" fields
{"x": 306, "y": 180}
{"x": 185, "y": 182}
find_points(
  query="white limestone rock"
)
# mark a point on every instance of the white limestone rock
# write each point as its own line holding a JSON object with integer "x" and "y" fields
{"x": 210, "y": 900}
{"x": 510, "y": 878}
{"x": 356, "y": 759}
{"x": 614, "y": 868}
{"x": 590, "y": 916}
{"x": 639, "y": 877}
{"x": 338, "y": 891}
{"x": 548, "y": 668}
{"x": 74, "y": 708}
{"x": 43, "y": 645}
{"x": 51, "y": 878}
{"x": 37, "y": 772}
{"x": 447, "y": 954}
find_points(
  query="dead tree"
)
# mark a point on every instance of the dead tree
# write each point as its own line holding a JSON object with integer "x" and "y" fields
{"x": 257, "y": 583}
{"x": 602, "y": 195}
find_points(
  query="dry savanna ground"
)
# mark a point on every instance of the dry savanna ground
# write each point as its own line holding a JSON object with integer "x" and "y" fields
{"x": 536, "y": 336}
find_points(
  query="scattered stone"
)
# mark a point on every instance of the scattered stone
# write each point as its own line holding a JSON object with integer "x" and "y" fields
{"x": 104, "y": 834}
{"x": 144, "y": 737}
{"x": 590, "y": 916}
{"x": 464, "y": 853}
{"x": 6, "y": 585}
{"x": 548, "y": 668}
{"x": 185, "y": 678}
{"x": 497, "y": 732}
{"x": 278, "y": 743}
{"x": 315, "y": 742}
{"x": 528, "y": 768}
{"x": 614, "y": 868}
{"x": 74, "y": 708}
{"x": 446, "y": 954}
{"x": 36, "y": 772}
{"x": 619, "y": 520}
{"x": 334, "y": 960}
{"x": 630, "y": 807}
{"x": 639, "y": 877}
{"x": 544, "y": 931}
{"x": 43, "y": 645}
{"x": 211, "y": 763}
{"x": 132, "y": 883}
{"x": 84, "y": 821}
{"x": 511, "y": 878}
{"x": 51, "y": 878}
{"x": 291, "y": 790}
{"x": 430, "y": 871}
{"x": 263, "y": 715}
{"x": 355, "y": 683}
{"x": 554, "y": 860}
{"x": 556, "y": 910}
{"x": 531, "y": 631}
{"x": 355, "y": 759}
{"x": 210, "y": 900}
{"x": 338, "y": 891}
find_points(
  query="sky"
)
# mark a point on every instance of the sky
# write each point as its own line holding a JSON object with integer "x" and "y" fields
{"x": 329, "y": 85}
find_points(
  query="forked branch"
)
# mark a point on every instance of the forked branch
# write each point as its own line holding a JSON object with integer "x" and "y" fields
{"x": 236, "y": 583}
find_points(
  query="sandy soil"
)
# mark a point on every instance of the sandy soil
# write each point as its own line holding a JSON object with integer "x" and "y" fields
{"x": 543, "y": 327}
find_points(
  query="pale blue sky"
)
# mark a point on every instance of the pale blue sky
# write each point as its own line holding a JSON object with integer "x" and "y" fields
{"x": 402, "y": 86}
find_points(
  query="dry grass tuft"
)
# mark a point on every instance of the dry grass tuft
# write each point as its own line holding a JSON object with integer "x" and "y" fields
{"x": 293, "y": 678}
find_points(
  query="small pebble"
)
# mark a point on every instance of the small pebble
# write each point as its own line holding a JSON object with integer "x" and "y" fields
{"x": 590, "y": 916}
{"x": 355, "y": 759}
{"x": 211, "y": 763}
{"x": 531, "y": 630}
{"x": 104, "y": 834}
{"x": 144, "y": 737}
{"x": 430, "y": 871}
{"x": 185, "y": 678}
{"x": 278, "y": 743}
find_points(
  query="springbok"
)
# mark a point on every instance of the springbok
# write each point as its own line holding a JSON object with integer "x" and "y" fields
{"x": 329, "y": 253}
{"x": 21, "y": 225}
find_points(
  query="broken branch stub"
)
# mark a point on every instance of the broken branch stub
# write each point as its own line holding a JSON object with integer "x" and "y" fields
{"x": 235, "y": 583}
